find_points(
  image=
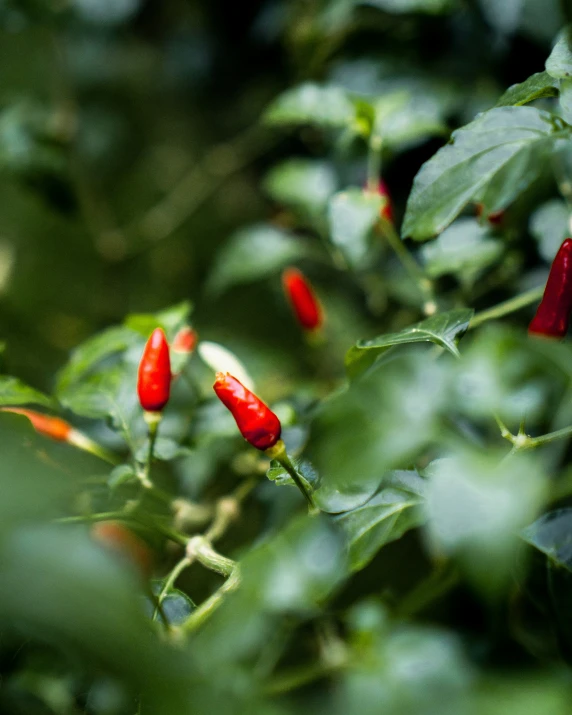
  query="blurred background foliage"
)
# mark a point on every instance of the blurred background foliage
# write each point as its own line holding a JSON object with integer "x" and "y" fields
{"x": 160, "y": 151}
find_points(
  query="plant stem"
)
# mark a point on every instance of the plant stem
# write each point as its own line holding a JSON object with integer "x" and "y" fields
{"x": 279, "y": 453}
{"x": 174, "y": 574}
{"x": 152, "y": 419}
{"x": 374, "y": 162}
{"x": 416, "y": 273}
{"x": 524, "y": 441}
{"x": 200, "y": 548}
{"x": 509, "y": 306}
{"x": 206, "y": 609}
{"x": 298, "y": 677}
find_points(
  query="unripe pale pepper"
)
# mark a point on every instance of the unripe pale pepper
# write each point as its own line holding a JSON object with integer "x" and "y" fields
{"x": 257, "y": 423}
{"x": 553, "y": 313}
{"x": 154, "y": 378}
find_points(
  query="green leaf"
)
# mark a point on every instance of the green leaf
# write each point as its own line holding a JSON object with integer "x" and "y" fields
{"x": 443, "y": 329}
{"x": 254, "y": 253}
{"x": 378, "y": 423}
{"x": 384, "y": 518}
{"x": 476, "y": 504}
{"x": 177, "y": 605}
{"x": 549, "y": 225}
{"x": 122, "y": 474}
{"x": 566, "y": 99}
{"x": 277, "y": 474}
{"x": 15, "y": 392}
{"x": 302, "y": 184}
{"x": 499, "y": 144}
{"x": 88, "y": 355}
{"x": 170, "y": 319}
{"x": 537, "y": 86}
{"x": 559, "y": 63}
{"x": 464, "y": 249}
{"x": 352, "y": 215}
{"x": 552, "y": 534}
{"x": 404, "y": 117}
{"x": 309, "y": 103}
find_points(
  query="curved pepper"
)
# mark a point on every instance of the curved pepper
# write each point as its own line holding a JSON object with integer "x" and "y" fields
{"x": 53, "y": 427}
{"x": 154, "y": 379}
{"x": 386, "y": 211}
{"x": 257, "y": 423}
{"x": 302, "y": 298}
{"x": 553, "y": 313}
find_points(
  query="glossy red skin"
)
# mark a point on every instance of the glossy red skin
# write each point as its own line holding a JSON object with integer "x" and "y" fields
{"x": 185, "y": 340}
{"x": 387, "y": 208}
{"x": 553, "y": 314}
{"x": 257, "y": 423}
{"x": 302, "y": 299}
{"x": 52, "y": 427}
{"x": 154, "y": 379}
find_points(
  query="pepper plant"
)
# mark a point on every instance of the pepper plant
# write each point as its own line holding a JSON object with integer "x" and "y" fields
{"x": 338, "y": 479}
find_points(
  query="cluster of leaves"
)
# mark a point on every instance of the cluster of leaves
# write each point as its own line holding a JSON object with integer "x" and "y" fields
{"x": 440, "y": 552}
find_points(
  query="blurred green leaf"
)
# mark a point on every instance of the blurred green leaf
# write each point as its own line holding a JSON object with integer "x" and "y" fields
{"x": 309, "y": 103}
{"x": 15, "y": 392}
{"x": 303, "y": 184}
{"x": 559, "y": 64}
{"x": 378, "y": 423}
{"x": 352, "y": 216}
{"x": 537, "y": 86}
{"x": 93, "y": 351}
{"x": 566, "y": 99}
{"x": 405, "y": 117}
{"x": 170, "y": 320}
{"x": 475, "y": 505}
{"x": 254, "y": 253}
{"x": 464, "y": 249}
{"x": 550, "y": 224}
{"x": 402, "y": 6}
{"x": 501, "y": 149}
{"x": 383, "y": 518}
{"x": 443, "y": 329}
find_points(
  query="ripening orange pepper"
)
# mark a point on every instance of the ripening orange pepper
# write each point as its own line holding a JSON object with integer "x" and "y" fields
{"x": 154, "y": 379}
{"x": 185, "y": 340}
{"x": 121, "y": 540}
{"x": 303, "y": 300}
{"x": 53, "y": 427}
{"x": 257, "y": 423}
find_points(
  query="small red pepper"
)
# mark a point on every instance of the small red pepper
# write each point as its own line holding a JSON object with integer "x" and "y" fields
{"x": 257, "y": 423}
{"x": 495, "y": 218}
{"x": 303, "y": 300}
{"x": 53, "y": 427}
{"x": 185, "y": 340}
{"x": 154, "y": 379}
{"x": 553, "y": 313}
{"x": 386, "y": 211}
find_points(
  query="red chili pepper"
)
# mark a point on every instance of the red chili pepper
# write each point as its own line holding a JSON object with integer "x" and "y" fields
{"x": 553, "y": 313}
{"x": 255, "y": 420}
{"x": 495, "y": 218}
{"x": 185, "y": 340}
{"x": 386, "y": 211}
{"x": 302, "y": 299}
{"x": 53, "y": 427}
{"x": 154, "y": 380}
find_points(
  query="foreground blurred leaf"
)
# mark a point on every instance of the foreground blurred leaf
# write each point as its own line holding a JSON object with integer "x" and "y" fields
{"x": 377, "y": 424}
{"x": 503, "y": 147}
{"x": 406, "y": 117}
{"x": 443, "y": 329}
{"x": 399, "y": 6}
{"x": 537, "y": 86}
{"x": 254, "y": 253}
{"x": 302, "y": 184}
{"x": 325, "y": 106}
{"x": 476, "y": 504}
{"x": 384, "y": 518}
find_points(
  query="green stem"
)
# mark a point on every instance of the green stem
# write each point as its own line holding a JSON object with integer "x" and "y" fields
{"x": 206, "y": 609}
{"x": 298, "y": 677}
{"x": 279, "y": 453}
{"x": 438, "y": 583}
{"x": 102, "y": 516}
{"x": 153, "y": 420}
{"x": 416, "y": 273}
{"x": 200, "y": 548}
{"x": 176, "y": 571}
{"x": 509, "y": 306}
{"x": 374, "y": 162}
